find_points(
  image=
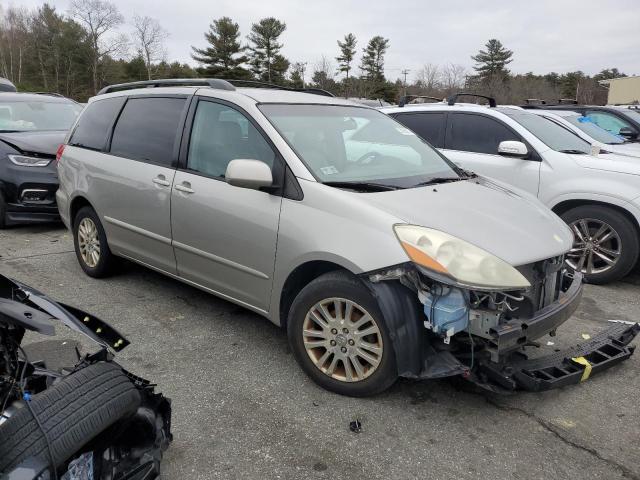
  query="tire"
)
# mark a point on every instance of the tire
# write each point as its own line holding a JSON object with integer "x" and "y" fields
{"x": 72, "y": 412}
{"x": 342, "y": 286}
{"x": 3, "y": 212}
{"x": 106, "y": 260}
{"x": 627, "y": 241}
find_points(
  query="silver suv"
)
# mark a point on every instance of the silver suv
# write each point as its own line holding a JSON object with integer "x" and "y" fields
{"x": 379, "y": 256}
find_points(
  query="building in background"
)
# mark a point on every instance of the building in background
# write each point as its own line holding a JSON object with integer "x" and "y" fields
{"x": 623, "y": 90}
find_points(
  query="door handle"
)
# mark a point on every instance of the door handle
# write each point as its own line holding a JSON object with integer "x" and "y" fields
{"x": 161, "y": 180}
{"x": 184, "y": 187}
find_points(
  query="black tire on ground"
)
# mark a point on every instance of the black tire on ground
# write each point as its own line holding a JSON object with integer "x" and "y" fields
{"x": 107, "y": 261}
{"x": 626, "y": 230}
{"x": 72, "y": 412}
{"x": 3, "y": 211}
{"x": 348, "y": 286}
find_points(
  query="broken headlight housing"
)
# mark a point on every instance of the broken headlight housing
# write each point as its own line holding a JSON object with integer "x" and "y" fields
{"x": 456, "y": 262}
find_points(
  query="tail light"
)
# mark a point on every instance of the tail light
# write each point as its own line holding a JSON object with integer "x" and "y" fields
{"x": 59, "y": 152}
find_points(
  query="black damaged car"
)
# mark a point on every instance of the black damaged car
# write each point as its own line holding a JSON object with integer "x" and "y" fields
{"x": 32, "y": 127}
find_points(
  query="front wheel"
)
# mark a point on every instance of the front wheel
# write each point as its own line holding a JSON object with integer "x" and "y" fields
{"x": 606, "y": 244}
{"x": 339, "y": 338}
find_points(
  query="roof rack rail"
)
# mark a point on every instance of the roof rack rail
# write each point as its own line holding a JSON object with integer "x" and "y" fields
{"x": 170, "y": 82}
{"x": 567, "y": 101}
{"x": 534, "y": 101}
{"x": 405, "y": 99}
{"x": 451, "y": 100}
{"x": 219, "y": 83}
{"x": 258, "y": 83}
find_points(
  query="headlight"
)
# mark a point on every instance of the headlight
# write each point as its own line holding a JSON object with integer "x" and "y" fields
{"x": 459, "y": 262}
{"x": 25, "y": 161}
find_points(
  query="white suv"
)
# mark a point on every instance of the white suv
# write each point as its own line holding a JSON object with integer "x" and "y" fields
{"x": 597, "y": 194}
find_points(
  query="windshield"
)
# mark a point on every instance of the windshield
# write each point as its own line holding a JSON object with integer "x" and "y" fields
{"x": 353, "y": 144}
{"x": 587, "y": 125}
{"x": 37, "y": 115}
{"x": 550, "y": 133}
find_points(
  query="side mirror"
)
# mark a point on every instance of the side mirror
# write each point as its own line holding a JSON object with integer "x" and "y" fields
{"x": 628, "y": 133}
{"x": 252, "y": 174}
{"x": 512, "y": 148}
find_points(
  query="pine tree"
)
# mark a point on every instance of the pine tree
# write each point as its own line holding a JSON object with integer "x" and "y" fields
{"x": 347, "y": 54}
{"x": 493, "y": 60}
{"x": 372, "y": 63}
{"x": 223, "y": 57}
{"x": 266, "y": 62}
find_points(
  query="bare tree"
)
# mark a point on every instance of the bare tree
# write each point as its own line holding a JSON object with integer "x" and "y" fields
{"x": 453, "y": 77}
{"x": 428, "y": 77}
{"x": 101, "y": 18}
{"x": 323, "y": 73}
{"x": 149, "y": 37}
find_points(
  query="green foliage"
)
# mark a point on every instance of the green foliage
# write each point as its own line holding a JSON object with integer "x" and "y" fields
{"x": 266, "y": 62}
{"x": 224, "y": 56}
{"x": 492, "y": 61}
{"x": 347, "y": 53}
{"x": 372, "y": 63}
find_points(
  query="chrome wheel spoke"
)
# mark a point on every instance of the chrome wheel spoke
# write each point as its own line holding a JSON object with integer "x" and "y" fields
{"x": 333, "y": 332}
{"x": 606, "y": 259}
{"x": 596, "y": 246}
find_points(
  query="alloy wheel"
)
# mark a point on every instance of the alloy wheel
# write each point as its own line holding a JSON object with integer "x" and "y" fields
{"x": 342, "y": 339}
{"x": 89, "y": 242}
{"x": 596, "y": 246}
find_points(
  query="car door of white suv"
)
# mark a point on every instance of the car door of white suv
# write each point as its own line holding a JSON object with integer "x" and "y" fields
{"x": 224, "y": 236}
{"x": 472, "y": 140}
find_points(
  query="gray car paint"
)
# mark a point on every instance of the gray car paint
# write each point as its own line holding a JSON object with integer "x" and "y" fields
{"x": 228, "y": 239}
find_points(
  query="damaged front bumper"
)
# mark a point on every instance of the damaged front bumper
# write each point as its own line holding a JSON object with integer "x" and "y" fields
{"x": 566, "y": 367}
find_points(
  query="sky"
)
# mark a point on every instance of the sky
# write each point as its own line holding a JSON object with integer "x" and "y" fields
{"x": 545, "y": 35}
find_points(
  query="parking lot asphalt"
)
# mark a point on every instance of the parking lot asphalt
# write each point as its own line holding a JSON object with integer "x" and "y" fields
{"x": 242, "y": 409}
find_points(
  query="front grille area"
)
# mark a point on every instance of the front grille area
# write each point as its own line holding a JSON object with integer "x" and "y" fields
{"x": 545, "y": 277}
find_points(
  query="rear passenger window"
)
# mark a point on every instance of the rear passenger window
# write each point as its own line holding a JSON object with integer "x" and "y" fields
{"x": 95, "y": 123}
{"x": 476, "y": 133}
{"x": 221, "y": 134}
{"x": 147, "y": 129}
{"x": 429, "y": 126}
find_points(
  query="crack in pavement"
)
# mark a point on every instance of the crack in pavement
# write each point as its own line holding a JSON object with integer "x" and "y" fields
{"x": 626, "y": 472}
{"x": 4, "y": 259}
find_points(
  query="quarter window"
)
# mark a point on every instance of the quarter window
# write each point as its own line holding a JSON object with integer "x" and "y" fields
{"x": 221, "y": 134}
{"x": 477, "y": 133}
{"x": 95, "y": 123}
{"x": 429, "y": 126}
{"x": 147, "y": 129}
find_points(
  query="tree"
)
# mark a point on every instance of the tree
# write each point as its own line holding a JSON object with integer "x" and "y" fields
{"x": 323, "y": 74}
{"x": 297, "y": 74}
{"x": 453, "y": 78}
{"x": 347, "y": 54}
{"x": 428, "y": 77}
{"x": 224, "y": 57}
{"x": 100, "y": 18}
{"x": 372, "y": 63}
{"x": 266, "y": 62}
{"x": 609, "y": 73}
{"x": 492, "y": 61}
{"x": 149, "y": 38}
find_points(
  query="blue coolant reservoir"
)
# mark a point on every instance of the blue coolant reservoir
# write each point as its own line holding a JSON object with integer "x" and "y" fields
{"x": 447, "y": 313}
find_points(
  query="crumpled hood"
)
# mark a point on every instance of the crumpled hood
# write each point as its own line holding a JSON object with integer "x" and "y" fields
{"x": 44, "y": 142}
{"x": 610, "y": 162}
{"x": 515, "y": 227}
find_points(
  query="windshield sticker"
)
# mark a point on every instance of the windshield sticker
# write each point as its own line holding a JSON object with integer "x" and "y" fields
{"x": 405, "y": 131}
{"x": 330, "y": 170}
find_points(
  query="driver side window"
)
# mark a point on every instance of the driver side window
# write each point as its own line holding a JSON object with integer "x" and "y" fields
{"x": 220, "y": 134}
{"x": 609, "y": 122}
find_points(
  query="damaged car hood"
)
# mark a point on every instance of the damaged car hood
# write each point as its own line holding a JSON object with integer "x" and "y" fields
{"x": 515, "y": 227}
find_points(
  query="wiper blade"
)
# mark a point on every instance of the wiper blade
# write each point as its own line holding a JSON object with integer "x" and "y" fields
{"x": 437, "y": 180}
{"x": 575, "y": 152}
{"x": 364, "y": 186}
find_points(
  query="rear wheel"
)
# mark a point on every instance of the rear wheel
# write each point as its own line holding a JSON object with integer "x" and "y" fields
{"x": 90, "y": 243}
{"x": 339, "y": 338}
{"x": 606, "y": 244}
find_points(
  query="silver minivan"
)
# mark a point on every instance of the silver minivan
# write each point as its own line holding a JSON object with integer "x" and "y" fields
{"x": 379, "y": 256}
